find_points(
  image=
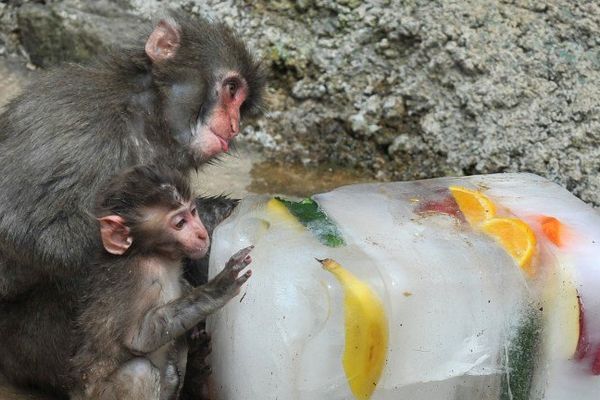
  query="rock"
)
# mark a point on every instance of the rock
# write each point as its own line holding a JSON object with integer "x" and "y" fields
{"x": 478, "y": 89}
{"x": 72, "y": 30}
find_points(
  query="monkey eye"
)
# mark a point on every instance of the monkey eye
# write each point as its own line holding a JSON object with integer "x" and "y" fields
{"x": 180, "y": 224}
{"x": 232, "y": 87}
{"x": 193, "y": 211}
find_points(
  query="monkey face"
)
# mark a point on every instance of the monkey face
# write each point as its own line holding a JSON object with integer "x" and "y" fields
{"x": 188, "y": 232}
{"x": 214, "y": 131}
{"x": 205, "y": 117}
{"x": 207, "y": 81}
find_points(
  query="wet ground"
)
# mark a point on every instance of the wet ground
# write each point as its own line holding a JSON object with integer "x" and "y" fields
{"x": 238, "y": 174}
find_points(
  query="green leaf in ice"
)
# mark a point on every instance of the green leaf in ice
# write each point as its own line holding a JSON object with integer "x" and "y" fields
{"x": 520, "y": 358}
{"x": 310, "y": 215}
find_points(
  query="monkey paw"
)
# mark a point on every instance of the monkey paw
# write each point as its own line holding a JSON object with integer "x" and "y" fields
{"x": 200, "y": 343}
{"x": 229, "y": 281}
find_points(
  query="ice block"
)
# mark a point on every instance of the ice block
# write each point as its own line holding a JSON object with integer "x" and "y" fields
{"x": 483, "y": 287}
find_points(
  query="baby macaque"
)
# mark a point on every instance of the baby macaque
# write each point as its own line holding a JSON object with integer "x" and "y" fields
{"x": 137, "y": 308}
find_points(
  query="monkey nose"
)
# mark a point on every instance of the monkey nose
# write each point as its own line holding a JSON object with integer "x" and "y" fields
{"x": 235, "y": 125}
{"x": 201, "y": 232}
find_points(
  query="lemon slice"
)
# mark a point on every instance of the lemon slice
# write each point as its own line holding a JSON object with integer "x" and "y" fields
{"x": 516, "y": 237}
{"x": 475, "y": 206}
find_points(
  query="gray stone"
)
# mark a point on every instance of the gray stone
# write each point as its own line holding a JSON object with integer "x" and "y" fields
{"x": 73, "y": 30}
{"x": 401, "y": 89}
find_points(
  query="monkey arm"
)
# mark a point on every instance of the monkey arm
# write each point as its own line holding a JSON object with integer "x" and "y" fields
{"x": 162, "y": 324}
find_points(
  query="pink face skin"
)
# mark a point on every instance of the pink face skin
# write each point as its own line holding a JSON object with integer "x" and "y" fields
{"x": 223, "y": 124}
{"x": 189, "y": 231}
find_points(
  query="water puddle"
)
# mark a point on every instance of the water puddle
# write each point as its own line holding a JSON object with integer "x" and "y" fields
{"x": 299, "y": 180}
{"x": 245, "y": 171}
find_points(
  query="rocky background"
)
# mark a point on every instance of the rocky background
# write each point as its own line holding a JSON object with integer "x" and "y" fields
{"x": 395, "y": 89}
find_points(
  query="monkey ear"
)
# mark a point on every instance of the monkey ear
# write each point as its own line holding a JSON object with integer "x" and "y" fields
{"x": 116, "y": 237}
{"x": 163, "y": 42}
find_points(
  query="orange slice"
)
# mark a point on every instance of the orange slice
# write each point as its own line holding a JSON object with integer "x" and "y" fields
{"x": 553, "y": 229}
{"x": 516, "y": 237}
{"x": 475, "y": 206}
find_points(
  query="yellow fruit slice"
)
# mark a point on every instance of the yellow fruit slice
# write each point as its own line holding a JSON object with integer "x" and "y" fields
{"x": 281, "y": 212}
{"x": 562, "y": 310}
{"x": 475, "y": 206}
{"x": 366, "y": 326}
{"x": 516, "y": 237}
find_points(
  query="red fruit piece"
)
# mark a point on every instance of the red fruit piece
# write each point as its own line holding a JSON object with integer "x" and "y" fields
{"x": 596, "y": 363}
{"x": 446, "y": 205}
{"x": 582, "y": 344}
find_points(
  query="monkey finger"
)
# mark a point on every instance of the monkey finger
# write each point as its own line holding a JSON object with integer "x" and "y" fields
{"x": 239, "y": 257}
{"x": 242, "y": 279}
{"x": 207, "y": 370}
{"x": 195, "y": 334}
{"x": 205, "y": 337}
{"x": 200, "y": 335}
{"x": 243, "y": 264}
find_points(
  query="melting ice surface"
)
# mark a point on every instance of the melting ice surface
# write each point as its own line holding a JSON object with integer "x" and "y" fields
{"x": 464, "y": 321}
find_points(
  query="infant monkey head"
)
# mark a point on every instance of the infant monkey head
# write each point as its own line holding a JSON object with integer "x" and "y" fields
{"x": 149, "y": 210}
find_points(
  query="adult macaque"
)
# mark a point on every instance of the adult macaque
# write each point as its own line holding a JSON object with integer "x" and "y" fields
{"x": 176, "y": 98}
{"x": 137, "y": 307}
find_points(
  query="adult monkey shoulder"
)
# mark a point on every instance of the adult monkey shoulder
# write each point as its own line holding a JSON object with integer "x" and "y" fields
{"x": 177, "y": 97}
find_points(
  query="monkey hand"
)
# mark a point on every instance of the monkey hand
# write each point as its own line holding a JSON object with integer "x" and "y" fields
{"x": 228, "y": 282}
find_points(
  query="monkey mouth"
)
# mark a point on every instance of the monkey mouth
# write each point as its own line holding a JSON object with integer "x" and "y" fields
{"x": 224, "y": 142}
{"x": 198, "y": 253}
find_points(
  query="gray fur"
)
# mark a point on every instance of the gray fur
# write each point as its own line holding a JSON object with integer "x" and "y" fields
{"x": 60, "y": 141}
